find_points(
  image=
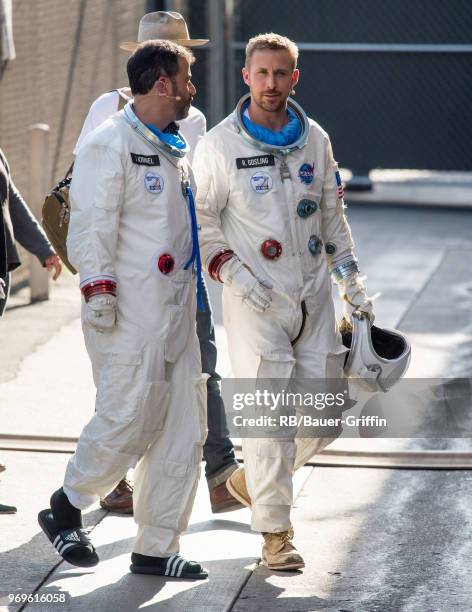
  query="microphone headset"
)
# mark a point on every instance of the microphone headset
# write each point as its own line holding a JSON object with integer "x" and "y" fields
{"x": 165, "y": 95}
{"x": 170, "y": 97}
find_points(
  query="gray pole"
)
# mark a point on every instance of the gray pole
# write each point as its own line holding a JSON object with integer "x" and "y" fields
{"x": 39, "y": 176}
{"x": 216, "y": 86}
{"x": 215, "y": 55}
{"x": 231, "y": 56}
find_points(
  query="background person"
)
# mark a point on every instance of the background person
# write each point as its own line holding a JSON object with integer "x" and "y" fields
{"x": 18, "y": 223}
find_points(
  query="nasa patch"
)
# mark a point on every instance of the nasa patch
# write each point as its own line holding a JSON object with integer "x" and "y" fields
{"x": 261, "y": 182}
{"x": 306, "y": 173}
{"x": 154, "y": 183}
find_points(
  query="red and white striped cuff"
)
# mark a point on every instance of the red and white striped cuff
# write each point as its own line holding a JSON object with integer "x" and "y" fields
{"x": 98, "y": 287}
{"x": 218, "y": 261}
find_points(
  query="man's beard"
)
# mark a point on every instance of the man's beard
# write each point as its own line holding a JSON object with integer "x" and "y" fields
{"x": 268, "y": 107}
{"x": 183, "y": 109}
{"x": 183, "y": 105}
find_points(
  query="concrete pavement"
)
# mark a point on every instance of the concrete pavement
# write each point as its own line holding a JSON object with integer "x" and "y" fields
{"x": 373, "y": 539}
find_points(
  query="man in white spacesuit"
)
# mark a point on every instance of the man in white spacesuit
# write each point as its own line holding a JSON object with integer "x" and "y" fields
{"x": 133, "y": 238}
{"x": 218, "y": 451}
{"x": 270, "y": 205}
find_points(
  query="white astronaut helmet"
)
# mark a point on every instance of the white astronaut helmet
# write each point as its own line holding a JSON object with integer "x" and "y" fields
{"x": 377, "y": 357}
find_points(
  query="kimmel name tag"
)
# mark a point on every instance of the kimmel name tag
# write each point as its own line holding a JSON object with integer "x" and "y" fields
{"x": 145, "y": 160}
{"x": 255, "y": 162}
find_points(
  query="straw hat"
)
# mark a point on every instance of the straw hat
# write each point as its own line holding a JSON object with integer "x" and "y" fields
{"x": 164, "y": 25}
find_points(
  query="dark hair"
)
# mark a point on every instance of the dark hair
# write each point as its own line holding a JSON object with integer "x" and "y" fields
{"x": 152, "y": 59}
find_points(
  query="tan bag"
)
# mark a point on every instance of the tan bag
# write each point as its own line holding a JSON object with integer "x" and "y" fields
{"x": 56, "y": 216}
{"x": 56, "y": 209}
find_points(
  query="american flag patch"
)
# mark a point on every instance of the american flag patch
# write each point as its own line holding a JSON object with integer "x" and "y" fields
{"x": 339, "y": 183}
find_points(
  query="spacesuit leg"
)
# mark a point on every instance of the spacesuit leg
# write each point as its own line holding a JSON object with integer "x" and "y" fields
{"x": 131, "y": 404}
{"x": 166, "y": 478}
{"x": 263, "y": 352}
{"x": 133, "y": 394}
{"x": 320, "y": 358}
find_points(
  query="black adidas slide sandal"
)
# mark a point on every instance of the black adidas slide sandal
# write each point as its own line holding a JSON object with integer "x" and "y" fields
{"x": 73, "y": 545}
{"x": 173, "y": 567}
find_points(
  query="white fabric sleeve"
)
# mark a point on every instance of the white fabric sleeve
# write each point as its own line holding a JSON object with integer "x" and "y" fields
{"x": 96, "y": 195}
{"x": 212, "y": 197}
{"x": 102, "y": 108}
{"x": 201, "y": 127}
{"x": 193, "y": 128}
{"x": 336, "y": 231}
{"x": 335, "y": 228}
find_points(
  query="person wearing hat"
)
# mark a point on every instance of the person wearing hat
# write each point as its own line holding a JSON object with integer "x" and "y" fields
{"x": 218, "y": 451}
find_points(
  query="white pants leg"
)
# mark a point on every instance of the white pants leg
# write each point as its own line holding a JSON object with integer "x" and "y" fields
{"x": 151, "y": 411}
{"x": 166, "y": 478}
{"x": 260, "y": 348}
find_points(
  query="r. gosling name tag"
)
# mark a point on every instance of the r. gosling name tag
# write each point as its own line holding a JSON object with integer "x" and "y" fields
{"x": 255, "y": 162}
{"x": 145, "y": 160}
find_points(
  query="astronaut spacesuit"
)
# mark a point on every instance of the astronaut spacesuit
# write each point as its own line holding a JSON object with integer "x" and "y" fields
{"x": 131, "y": 230}
{"x": 277, "y": 215}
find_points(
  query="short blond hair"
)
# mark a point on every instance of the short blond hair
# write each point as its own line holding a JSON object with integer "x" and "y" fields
{"x": 273, "y": 41}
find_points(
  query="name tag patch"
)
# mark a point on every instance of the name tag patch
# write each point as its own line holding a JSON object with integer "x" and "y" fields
{"x": 145, "y": 160}
{"x": 255, "y": 162}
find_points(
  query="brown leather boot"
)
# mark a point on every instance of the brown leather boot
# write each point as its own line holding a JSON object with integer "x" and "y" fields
{"x": 236, "y": 485}
{"x": 278, "y": 552}
{"x": 222, "y": 501}
{"x": 220, "y": 498}
{"x": 120, "y": 500}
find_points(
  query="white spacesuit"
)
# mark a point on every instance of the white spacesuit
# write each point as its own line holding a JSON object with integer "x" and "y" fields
{"x": 130, "y": 236}
{"x": 272, "y": 227}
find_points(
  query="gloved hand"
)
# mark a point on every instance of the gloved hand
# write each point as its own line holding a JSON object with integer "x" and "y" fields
{"x": 354, "y": 295}
{"x": 254, "y": 292}
{"x": 100, "y": 312}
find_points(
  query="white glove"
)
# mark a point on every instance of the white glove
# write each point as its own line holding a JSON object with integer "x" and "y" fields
{"x": 354, "y": 295}
{"x": 100, "y": 312}
{"x": 254, "y": 292}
